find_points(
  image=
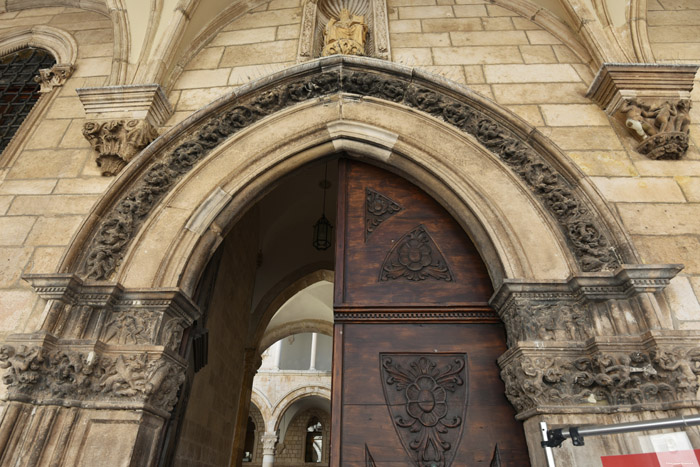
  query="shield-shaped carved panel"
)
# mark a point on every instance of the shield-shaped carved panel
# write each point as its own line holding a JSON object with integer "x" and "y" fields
{"x": 427, "y": 397}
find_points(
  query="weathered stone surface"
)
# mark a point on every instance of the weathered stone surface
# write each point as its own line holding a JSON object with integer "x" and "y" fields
{"x": 661, "y": 219}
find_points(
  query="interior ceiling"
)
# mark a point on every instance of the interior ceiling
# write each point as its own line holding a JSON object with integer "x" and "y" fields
{"x": 312, "y": 303}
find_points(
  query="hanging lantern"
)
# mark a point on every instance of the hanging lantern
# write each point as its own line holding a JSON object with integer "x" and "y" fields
{"x": 323, "y": 229}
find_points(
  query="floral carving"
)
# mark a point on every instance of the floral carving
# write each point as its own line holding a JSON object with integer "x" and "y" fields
{"x": 578, "y": 223}
{"x": 118, "y": 141}
{"x": 415, "y": 257}
{"x": 637, "y": 378}
{"x": 378, "y": 208}
{"x": 417, "y": 390}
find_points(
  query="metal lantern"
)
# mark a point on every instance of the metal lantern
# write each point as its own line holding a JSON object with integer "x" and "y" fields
{"x": 323, "y": 229}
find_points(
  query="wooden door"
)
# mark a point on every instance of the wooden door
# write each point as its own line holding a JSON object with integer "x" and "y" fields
{"x": 415, "y": 380}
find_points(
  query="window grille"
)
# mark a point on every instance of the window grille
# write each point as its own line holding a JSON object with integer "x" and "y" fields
{"x": 18, "y": 90}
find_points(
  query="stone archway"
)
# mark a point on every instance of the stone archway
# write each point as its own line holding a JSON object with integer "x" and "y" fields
{"x": 554, "y": 250}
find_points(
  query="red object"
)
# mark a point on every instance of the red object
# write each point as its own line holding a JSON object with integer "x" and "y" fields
{"x": 655, "y": 459}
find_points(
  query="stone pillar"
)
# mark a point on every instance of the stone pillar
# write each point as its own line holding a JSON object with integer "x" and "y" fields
{"x": 269, "y": 441}
{"x": 314, "y": 339}
{"x": 251, "y": 364}
{"x": 278, "y": 354}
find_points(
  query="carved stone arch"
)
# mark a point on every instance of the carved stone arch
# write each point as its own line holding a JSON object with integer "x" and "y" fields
{"x": 264, "y": 406}
{"x": 640, "y": 32}
{"x": 297, "y": 327}
{"x": 60, "y": 43}
{"x": 293, "y": 396}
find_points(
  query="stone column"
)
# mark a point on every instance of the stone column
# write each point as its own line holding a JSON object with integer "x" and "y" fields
{"x": 269, "y": 441}
{"x": 314, "y": 339}
{"x": 278, "y": 354}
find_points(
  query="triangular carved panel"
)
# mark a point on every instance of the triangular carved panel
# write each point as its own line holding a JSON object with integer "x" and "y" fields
{"x": 415, "y": 257}
{"x": 378, "y": 208}
{"x": 427, "y": 397}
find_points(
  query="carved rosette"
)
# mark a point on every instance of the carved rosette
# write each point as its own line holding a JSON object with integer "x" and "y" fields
{"x": 378, "y": 208}
{"x": 415, "y": 257}
{"x": 602, "y": 381}
{"x": 427, "y": 398}
{"x": 53, "y": 77}
{"x": 118, "y": 141}
{"x": 90, "y": 378}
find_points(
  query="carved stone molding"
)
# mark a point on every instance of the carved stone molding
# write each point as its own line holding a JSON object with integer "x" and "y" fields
{"x": 320, "y": 35}
{"x": 427, "y": 397}
{"x": 118, "y": 141}
{"x": 269, "y": 442}
{"x": 583, "y": 231}
{"x": 652, "y": 101}
{"x": 53, "y": 77}
{"x": 137, "y": 101}
{"x": 91, "y": 378}
{"x": 570, "y": 380}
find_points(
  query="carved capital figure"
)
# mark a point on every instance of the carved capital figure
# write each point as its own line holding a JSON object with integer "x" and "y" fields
{"x": 346, "y": 35}
{"x": 661, "y": 127}
{"x": 269, "y": 442}
{"x": 118, "y": 141}
{"x": 55, "y": 76}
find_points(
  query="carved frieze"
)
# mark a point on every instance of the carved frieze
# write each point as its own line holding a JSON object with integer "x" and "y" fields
{"x": 427, "y": 398}
{"x": 33, "y": 373}
{"x": 118, "y": 141}
{"x": 663, "y": 128}
{"x": 53, "y": 77}
{"x": 579, "y": 225}
{"x": 378, "y": 208}
{"x": 603, "y": 381}
{"x": 415, "y": 257}
{"x": 559, "y": 321}
{"x": 130, "y": 327}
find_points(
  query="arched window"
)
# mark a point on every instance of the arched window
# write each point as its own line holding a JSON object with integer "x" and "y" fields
{"x": 18, "y": 90}
{"x": 313, "y": 451}
{"x": 249, "y": 445}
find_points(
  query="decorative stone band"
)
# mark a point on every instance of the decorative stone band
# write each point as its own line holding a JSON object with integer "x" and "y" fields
{"x": 582, "y": 307}
{"x": 92, "y": 378}
{"x": 584, "y": 231}
{"x": 601, "y": 379}
{"x": 112, "y": 315}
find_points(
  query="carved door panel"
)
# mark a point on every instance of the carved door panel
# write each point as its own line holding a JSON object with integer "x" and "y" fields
{"x": 415, "y": 380}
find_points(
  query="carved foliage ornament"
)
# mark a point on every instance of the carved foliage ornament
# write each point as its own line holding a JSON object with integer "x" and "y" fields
{"x": 118, "y": 141}
{"x": 415, "y": 257}
{"x": 55, "y": 76}
{"x": 66, "y": 374}
{"x": 527, "y": 321}
{"x": 636, "y": 378}
{"x": 663, "y": 128}
{"x": 378, "y": 208}
{"x": 427, "y": 399}
{"x": 584, "y": 235}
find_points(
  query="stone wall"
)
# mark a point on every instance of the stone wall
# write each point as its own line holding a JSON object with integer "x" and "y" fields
{"x": 291, "y": 450}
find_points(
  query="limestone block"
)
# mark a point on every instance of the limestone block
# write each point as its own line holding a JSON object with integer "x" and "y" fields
{"x": 281, "y": 4}
{"x": 421, "y": 12}
{"x": 404, "y": 26}
{"x": 639, "y": 190}
{"x": 97, "y": 66}
{"x": 680, "y": 249}
{"x": 395, "y": 3}
{"x": 244, "y": 36}
{"x": 661, "y": 219}
{"x": 13, "y": 261}
{"x": 574, "y": 115}
{"x": 604, "y": 163}
{"x": 673, "y": 18}
{"x": 690, "y": 187}
{"x": 412, "y": 56}
{"x": 194, "y": 99}
{"x": 82, "y": 185}
{"x": 52, "y": 204}
{"x": 244, "y": 74}
{"x": 495, "y": 10}
{"x": 541, "y": 37}
{"x": 420, "y": 40}
{"x": 202, "y": 79}
{"x": 476, "y": 55}
{"x": 683, "y": 51}
{"x": 5, "y": 202}
{"x": 497, "y": 24}
{"x": 689, "y": 168}
{"x": 289, "y": 31}
{"x": 582, "y": 138}
{"x": 565, "y": 54}
{"x": 26, "y": 21}
{"x": 45, "y": 259}
{"x": 530, "y": 113}
{"x": 538, "y": 54}
{"x": 13, "y": 305}
{"x": 682, "y": 300}
{"x": 530, "y": 73}
{"x": 474, "y": 73}
{"x": 96, "y": 50}
{"x": 97, "y": 36}
{"x": 14, "y": 229}
{"x": 27, "y": 187}
{"x": 453, "y": 73}
{"x": 47, "y": 163}
{"x": 449, "y": 25}
{"x": 255, "y": 54}
{"x": 47, "y": 134}
{"x": 73, "y": 137}
{"x": 38, "y": 12}
{"x": 540, "y": 93}
{"x": 524, "y": 24}
{"x": 206, "y": 59}
{"x": 66, "y": 107}
{"x": 266, "y": 18}
{"x": 53, "y": 230}
{"x": 489, "y": 38}
{"x": 466, "y": 11}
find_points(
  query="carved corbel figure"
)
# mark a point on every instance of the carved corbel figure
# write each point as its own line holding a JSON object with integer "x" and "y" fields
{"x": 662, "y": 128}
{"x": 118, "y": 141}
{"x": 55, "y": 76}
{"x": 346, "y": 35}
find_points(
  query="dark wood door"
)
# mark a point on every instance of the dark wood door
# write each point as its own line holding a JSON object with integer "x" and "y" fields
{"x": 415, "y": 380}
